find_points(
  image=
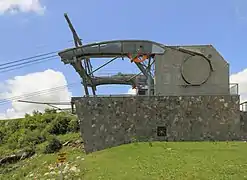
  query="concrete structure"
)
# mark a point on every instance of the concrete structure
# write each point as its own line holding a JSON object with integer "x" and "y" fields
{"x": 179, "y": 70}
{"x": 185, "y": 98}
{"x": 111, "y": 121}
{"x": 193, "y": 70}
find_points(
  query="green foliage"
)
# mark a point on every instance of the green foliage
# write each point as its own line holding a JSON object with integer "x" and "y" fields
{"x": 35, "y": 129}
{"x": 74, "y": 125}
{"x": 54, "y": 145}
{"x": 1, "y": 136}
{"x": 59, "y": 125}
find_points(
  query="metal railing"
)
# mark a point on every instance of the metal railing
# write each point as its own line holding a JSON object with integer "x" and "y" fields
{"x": 243, "y": 106}
{"x": 233, "y": 88}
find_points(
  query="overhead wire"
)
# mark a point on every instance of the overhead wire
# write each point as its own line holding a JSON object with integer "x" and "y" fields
{"x": 17, "y": 64}
{"x": 37, "y": 93}
{"x": 26, "y": 65}
{"x": 28, "y": 58}
{"x": 36, "y": 58}
{"x": 24, "y": 62}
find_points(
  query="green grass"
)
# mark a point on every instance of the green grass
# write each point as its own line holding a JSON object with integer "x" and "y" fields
{"x": 139, "y": 161}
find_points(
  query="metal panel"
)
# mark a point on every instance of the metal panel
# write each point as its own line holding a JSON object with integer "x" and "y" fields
{"x": 195, "y": 70}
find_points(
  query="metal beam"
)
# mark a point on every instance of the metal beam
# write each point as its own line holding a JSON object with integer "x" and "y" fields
{"x": 51, "y": 104}
{"x": 147, "y": 73}
{"x": 78, "y": 65}
{"x": 83, "y": 74}
{"x": 38, "y": 102}
{"x": 78, "y": 41}
{"x": 143, "y": 70}
{"x": 103, "y": 65}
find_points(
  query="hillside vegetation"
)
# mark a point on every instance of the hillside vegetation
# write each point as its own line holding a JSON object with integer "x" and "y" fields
{"x": 50, "y": 133}
{"x": 33, "y": 130}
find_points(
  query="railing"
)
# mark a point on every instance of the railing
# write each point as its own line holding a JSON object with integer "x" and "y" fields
{"x": 233, "y": 88}
{"x": 243, "y": 106}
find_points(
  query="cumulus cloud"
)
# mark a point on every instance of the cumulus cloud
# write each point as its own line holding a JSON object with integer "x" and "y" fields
{"x": 14, "y": 6}
{"x": 241, "y": 79}
{"x": 39, "y": 86}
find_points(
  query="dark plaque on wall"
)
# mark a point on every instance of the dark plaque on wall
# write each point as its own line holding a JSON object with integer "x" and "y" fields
{"x": 161, "y": 131}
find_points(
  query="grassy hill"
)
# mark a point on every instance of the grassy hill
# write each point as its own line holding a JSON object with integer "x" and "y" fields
{"x": 138, "y": 161}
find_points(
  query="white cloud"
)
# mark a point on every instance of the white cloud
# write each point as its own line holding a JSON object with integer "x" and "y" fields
{"x": 241, "y": 79}
{"x": 132, "y": 91}
{"x": 20, "y": 86}
{"x": 14, "y": 6}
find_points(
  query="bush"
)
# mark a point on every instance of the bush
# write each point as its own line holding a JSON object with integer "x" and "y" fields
{"x": 74, "y": 125}
{"x": 54, "y": 145}
{"x": 32, "y": 138}
{"x": 59, "y": 125}
{"x": 50, "y": 111}
{"x": 2, "y": 135}
{"x": 16, "y": 139}
{"x": 35, "y": 129}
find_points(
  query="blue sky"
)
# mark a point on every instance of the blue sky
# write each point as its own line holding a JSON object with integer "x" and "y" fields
{"x": 222, "y": 23}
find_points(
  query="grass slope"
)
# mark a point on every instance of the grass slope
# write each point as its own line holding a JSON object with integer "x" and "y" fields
{"x": 140, "y": 161}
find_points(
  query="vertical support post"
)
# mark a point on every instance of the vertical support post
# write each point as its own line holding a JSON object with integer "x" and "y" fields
{"x": 149, "y": 80}
{"x": 78, "y": 67}
{"x": 149, "y": 86}
{"x": 85, "y": 87}
{"x": 72, "y": 107}
{"x": 237, "y": 89}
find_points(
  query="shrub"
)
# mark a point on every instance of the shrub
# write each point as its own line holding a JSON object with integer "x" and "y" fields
{"x": 54, "y": 145}
{"x": 50, "y": 111}
{"x": 37, "y": 128}
{"x": 2, "y": 135}
{"x": 32, "y": 138}
{"x": 15, "y": 139}
{"x": 59, "y": 125}
{"x": 74, "y": 125}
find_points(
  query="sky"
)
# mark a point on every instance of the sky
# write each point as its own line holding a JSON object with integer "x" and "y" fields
{"x": 31, "y": 27}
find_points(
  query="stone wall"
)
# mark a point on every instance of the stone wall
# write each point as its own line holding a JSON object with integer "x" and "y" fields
{"x": 112, "y": 121}
{"x": 243, "y": 126}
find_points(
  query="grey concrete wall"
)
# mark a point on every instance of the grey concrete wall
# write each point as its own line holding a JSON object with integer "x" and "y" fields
{"x": 112, "y": 121}
{"x": 169, "y": 68}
